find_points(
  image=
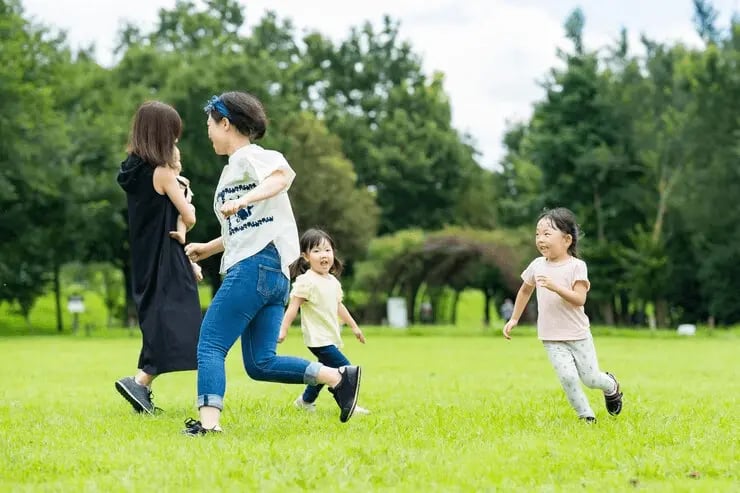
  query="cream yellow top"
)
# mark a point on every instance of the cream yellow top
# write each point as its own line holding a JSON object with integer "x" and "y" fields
{"x": 319, "y": 313}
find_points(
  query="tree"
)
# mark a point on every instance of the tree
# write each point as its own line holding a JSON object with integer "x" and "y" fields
{"x": 33, "y": 169}
{"x": 579, "y": 140}
{"x": 325, "y": 190}
{"x": 394, "y": 123}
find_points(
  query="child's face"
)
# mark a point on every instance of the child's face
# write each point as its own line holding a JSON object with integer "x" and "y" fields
{"x": 177, "y": 165}
{"x": 320, "y": 257}
{"x": 550, "y": 241}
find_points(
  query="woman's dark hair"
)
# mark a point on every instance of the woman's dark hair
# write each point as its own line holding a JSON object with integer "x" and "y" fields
{"x": 564, "y": 220}
{"x": 311, "y": 239}
{"x": 154, "y": 132}
{"x": 243, "y": 110}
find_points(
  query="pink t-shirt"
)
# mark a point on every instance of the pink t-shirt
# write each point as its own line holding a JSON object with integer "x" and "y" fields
{"x": 557, "y": 319}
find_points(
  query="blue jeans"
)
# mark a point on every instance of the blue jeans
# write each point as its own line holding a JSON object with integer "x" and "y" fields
{"x": 330, "y": 356}
{"x": 250, "y": 303}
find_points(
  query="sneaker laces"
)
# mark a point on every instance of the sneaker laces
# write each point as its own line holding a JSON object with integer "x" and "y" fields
{"x": 155, "y": 409}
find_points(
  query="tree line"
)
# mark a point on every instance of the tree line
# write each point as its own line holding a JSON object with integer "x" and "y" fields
{"x": 644, "y": 148}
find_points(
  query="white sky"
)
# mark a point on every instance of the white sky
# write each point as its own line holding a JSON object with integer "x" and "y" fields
{"x": 492, "y": 52}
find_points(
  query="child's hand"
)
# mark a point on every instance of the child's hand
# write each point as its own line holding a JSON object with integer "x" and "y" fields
{"x": 283, "y": 334}
{"x": 179, "y": 237}
{"x": 546, "y": 282}
{"x": 509, "y": 326}
{"x": 359, "y": 335}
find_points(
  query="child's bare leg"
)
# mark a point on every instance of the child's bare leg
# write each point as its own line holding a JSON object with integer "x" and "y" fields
{"x": 180, "y": 232}
{"x": 197, "y": 271}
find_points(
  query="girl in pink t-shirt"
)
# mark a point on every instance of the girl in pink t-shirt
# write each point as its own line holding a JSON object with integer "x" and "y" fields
{"x": 561, "y": 280}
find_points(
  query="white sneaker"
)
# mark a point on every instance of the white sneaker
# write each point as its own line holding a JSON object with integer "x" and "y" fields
{"x": 361, "y": 410}
{"x": 306, "y": 406}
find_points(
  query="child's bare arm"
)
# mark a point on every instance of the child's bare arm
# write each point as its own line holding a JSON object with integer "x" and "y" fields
{"x": 290, "y": 314}
{"x": 346, "y": 317}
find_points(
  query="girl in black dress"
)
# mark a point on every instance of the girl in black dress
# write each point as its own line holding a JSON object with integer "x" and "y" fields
{"x": 164, "y": 288}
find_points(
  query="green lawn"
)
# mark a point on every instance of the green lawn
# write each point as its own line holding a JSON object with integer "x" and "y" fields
{"x": 95, "y": 318}
{"x": 473, "y": 413}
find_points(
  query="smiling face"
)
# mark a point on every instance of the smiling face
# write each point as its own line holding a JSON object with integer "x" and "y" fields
{"x": 550, "y": 241}
{"x": 320, "y": 257}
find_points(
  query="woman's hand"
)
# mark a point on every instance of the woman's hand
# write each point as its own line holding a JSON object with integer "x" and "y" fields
{"x": 197, "y": 251}
{"x": 230, "y": 207}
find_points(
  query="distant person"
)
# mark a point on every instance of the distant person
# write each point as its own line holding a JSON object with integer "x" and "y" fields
{"x": 164, "y": 288}
{"x": 259, "y": 241}
{"x": 426, "y": 312}
{"x": 507, "y": 308}
{"x": 318, "y": 295}
{"x": 180, "y": 233}
{"x": 561, "y": 281}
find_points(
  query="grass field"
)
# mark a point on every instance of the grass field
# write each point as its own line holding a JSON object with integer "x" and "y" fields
{"x": 474, "y": 413}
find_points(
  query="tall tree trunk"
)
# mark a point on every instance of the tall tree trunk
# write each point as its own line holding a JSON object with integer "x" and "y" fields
{"x": 487, "y": 308}
{"x": 58, "y": 296}
{"x": 129, "y": 306}
{"x": 624, "y": 309}
{"x": 607, "y": 312}
{"x": 411, "y": 296}
{"x": 661, "y": 313}
{"x": 599, "y": 215}
{"x": 455, "y": 299}
{"x": 665, "y": 186}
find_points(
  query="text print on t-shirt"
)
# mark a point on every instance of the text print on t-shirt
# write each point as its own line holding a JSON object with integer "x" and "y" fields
{"x": 241, "y": 220}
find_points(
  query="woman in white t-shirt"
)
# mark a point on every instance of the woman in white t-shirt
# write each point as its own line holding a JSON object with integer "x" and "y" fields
{"x": 259, "y": 241}
{"x": 318, "y": 294}
{"x": 561, "y": 280}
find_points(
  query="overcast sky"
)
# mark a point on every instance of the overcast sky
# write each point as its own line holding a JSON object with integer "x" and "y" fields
{"x": 492, "y": 52}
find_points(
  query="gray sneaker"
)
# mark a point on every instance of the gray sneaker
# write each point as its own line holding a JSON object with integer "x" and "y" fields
{"x": 139, "y": 396}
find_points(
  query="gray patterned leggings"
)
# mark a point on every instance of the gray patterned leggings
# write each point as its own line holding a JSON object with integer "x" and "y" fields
{"x": 574, "y": 361}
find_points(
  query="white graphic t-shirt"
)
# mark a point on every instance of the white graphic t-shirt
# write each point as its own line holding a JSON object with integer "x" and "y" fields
{"x": 253, "y": 228}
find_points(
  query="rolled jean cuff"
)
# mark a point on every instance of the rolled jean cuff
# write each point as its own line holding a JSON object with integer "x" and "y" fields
{"x": 311, "y": 375}
{"x": 211, "y": 400}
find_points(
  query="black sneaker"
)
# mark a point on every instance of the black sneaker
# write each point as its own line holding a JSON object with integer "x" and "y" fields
{"x": 588, "y": 419}
{"x": 139, "y": 396}
{"x": 614, "y": 401}
{"x": 194, "y": 428}
{"x": 347, "y": 391}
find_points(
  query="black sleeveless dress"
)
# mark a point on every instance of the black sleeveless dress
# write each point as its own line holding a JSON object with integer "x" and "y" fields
{"x": 164, "y": 288}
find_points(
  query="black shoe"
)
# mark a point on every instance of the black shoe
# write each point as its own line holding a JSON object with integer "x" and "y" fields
{"x": 347, "y": 391}
{"x": 194, "y": 428}
{"x": 614, "y": 401}
{"x": 139, "y": 396}
{"x": 588, "y": 419}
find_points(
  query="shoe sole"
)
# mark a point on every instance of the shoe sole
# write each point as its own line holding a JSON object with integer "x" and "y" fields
{"x": 304, "y": 408}
{"x": 138, "y": 406}
{"x": 354, "y": 400}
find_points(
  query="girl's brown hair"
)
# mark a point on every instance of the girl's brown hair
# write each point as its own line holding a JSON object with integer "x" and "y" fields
{"x": 565, "y": 221}
{"x": 154, "y": 132}
{"x": 310, "y": 239}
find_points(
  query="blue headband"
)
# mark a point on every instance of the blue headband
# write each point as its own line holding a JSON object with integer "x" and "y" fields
{"x": 215, "y": 103}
